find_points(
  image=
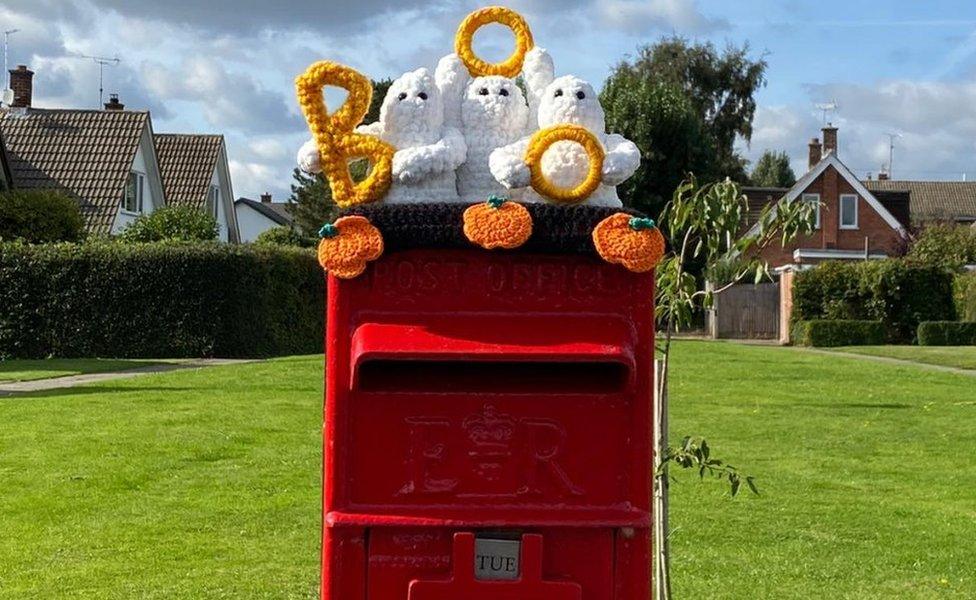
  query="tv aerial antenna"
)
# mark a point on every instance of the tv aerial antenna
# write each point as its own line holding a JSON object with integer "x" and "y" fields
{"x": 6, "y": 60}
{"x": 891, "y": 148}
{"x": 826, "y": 108}
{"x": 102, "y": 62}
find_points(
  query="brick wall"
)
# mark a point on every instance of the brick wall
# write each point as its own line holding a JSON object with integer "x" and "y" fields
{"x": 830, "y": 185}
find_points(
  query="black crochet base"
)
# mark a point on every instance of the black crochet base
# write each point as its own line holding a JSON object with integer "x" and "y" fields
{"x": 556, "y": 229}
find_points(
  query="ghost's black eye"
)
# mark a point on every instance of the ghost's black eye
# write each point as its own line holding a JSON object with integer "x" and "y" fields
{"x": 580, "y": 95}
{"x": 402, "y": 96}
{"x": 422, "y": 95}
{"x": 483, "y": 92}
{"x": 503, "y": 92}
{"x": 558, "y": 93}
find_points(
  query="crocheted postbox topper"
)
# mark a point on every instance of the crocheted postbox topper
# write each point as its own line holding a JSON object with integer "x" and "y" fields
{"x": 466, "y": 133}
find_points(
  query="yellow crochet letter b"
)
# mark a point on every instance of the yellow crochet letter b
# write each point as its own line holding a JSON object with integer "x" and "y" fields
{"x": 540, "y": 142}
{"x": 334, "y": 135}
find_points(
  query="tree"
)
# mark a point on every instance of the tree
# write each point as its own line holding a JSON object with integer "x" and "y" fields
{"x": 773, "y": 170}
{"x": 311, "y": 203}
{"x": 704, "y": 225}
{"x": 39, "y": 217}
{"x": 379, "y": 92}
{"x": 720, "y": 86}
{"x": 672, "y": 139}
{"x": 946, "y": 245}
{"x": 284, "y": 236}
{"x": 172, "y": 223}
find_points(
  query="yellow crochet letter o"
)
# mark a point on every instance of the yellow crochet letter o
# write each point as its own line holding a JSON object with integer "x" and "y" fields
{"x": 334, "y": 135}
{"x": 540, "y": 142}
{"x": 512, "y": 65}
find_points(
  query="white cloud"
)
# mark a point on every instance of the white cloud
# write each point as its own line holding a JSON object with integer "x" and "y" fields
{"x": 782, "y": 128}
{"x": 251, "y": 178}
{"x": 226, "y": 98}
{"x": 269, "y": 148}
{"x": 936, "y": 122}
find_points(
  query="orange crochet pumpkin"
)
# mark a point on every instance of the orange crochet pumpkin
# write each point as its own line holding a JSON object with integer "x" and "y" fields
{"x": 347, "y": 245}
{"x": 497, "y": 223}
{"x": 633, "y": 242}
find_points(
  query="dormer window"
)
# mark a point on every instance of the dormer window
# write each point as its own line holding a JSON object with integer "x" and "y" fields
{"x": 132, "y": 197}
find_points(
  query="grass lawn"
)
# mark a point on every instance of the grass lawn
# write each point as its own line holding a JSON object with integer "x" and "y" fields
{"x": 961, "y": 357}
{"x": 29, "y": 370}
{"x": 205, "y": 483}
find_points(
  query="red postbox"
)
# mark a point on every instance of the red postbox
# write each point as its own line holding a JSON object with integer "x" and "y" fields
{"x": 488, "y": 429}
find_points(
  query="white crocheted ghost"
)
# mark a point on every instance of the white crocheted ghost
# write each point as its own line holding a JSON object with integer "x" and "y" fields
{"x": 569, "y": 99}
{"x": 491, "y": 112}
{"x": 427, "y": 150}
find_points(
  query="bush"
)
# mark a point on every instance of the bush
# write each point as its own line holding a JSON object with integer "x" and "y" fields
{"x": 964, "y": 294}
{"x": 901, "y": 293}
{"x": 839, "y": 333}
{"x": 172, "y": 223}
{"x": 284, "y": 236}
{"x": 158, "y": 300}
{"x": 947, "y": 333}
{"x": 947, "y": 246}
{"x": 39, "y": 217}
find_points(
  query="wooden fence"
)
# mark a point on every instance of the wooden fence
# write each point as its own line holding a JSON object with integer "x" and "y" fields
{"x": 746, "y": 311}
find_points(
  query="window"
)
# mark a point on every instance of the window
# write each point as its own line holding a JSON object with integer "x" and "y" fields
{"x": 213, "y": 198}
{"x": 132, "y": 198}
{"x": 848, "y": 211}
{"x": 815, "y": 200}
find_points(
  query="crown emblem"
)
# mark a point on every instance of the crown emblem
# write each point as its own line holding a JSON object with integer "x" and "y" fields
{"x": 490, "y": 434}
{"x": 489, "y": 428}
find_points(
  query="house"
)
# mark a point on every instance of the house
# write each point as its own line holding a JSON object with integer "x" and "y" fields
{"x": 852, "y": 223}
{"x": 257, "y": 217}
{"x": 104, "y": 159}
{"x": 111, "y": 162}
{"x": 194, "y": 172}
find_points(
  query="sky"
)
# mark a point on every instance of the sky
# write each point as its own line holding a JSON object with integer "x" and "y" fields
{"x": 228, "y": 66}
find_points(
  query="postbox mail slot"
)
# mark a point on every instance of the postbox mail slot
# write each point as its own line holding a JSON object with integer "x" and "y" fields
{"x": 492, "y": 357}
{"x": 433, "y": 376}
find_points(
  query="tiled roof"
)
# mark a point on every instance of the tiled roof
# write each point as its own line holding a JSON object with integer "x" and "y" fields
{"x": 954, "y": 200}
{"x": 186, "y": 165}
{"x": 86, "y": 153}
{"x": 276, "y": 211}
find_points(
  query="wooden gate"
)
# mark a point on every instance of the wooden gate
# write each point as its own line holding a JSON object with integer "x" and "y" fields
{"x": 746, "y": 311}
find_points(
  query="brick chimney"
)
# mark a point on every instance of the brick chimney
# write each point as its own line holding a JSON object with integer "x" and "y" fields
{"x": 113, "y": 103}
{"x": 22, "y": 83}
{"x": 815, "y": 153}
{"x": 829, "y": 139}
{"x": 266, "y": 198}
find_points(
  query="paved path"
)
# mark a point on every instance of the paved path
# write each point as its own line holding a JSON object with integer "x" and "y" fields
{"x": 892, "y": 361}
{"x": 15, "y": 387}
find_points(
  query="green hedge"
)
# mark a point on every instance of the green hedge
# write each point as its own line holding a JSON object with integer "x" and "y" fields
{"x": 900, "y": 293}
{"x": 158, "y": 300}
{"x": 964, "y": 292}
{"x": 839, "y": 333}
{"x": 947, "y": 333}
